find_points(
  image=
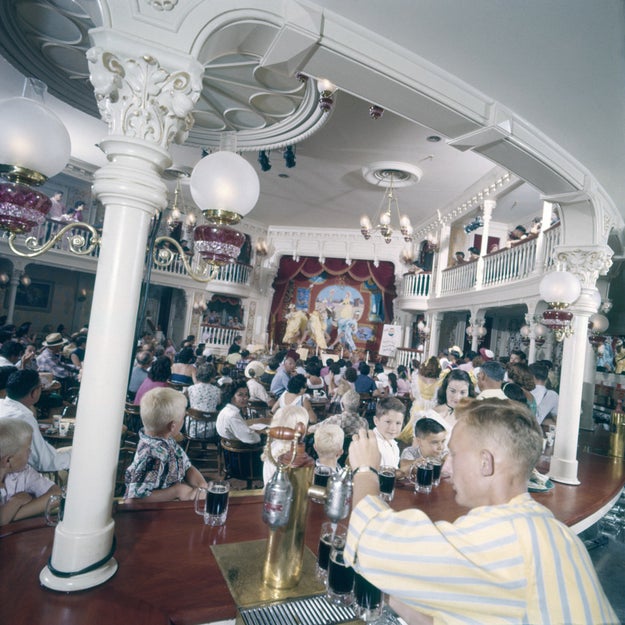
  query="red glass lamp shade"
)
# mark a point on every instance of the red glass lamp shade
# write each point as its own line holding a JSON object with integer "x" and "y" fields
{"x": 218, "y": 244}
{"x": 21, "y": 208}
{"x": 554, "y": 318}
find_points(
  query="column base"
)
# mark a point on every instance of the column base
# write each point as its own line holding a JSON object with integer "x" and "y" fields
{"x": 78, "y": 582}
{"x": 564, "y": 471}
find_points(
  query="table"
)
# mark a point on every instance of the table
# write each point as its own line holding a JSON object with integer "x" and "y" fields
{"x": 167, "y": 572}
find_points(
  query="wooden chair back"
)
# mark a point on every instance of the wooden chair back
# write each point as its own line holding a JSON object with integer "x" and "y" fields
{"x": 125, "y": 458}
{"x": 201, "y": 438}
{"x": 258, "y": 410}
{"x": 242, "y": 463}
{"x": 367, "y": 407}
{"x": 132, "y": 417}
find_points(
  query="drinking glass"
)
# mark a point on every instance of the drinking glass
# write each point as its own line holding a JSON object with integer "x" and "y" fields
{"x": 368, "y": 600}
{"x": 329, "y": 533}
{"x": 212, "y": 502}
{"x": 321, "y": 476}
{"x": 437, "y": 464}
{"x": 55, "y": 507}
{"x": 340, "y": 589}
{"x": 424, "y": 476}
{"x": 386, "y": 476}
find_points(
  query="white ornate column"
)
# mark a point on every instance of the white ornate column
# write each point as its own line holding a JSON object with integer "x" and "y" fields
{"x": 586, "y": 264}
{"x": 147, "y": 104}
{"x": 487, "y": 210}
{"x": 434, "y": 321}
{"x": 16, "y": 276}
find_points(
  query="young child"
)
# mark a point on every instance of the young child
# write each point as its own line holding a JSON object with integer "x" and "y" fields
{"x": 429, "y": 440}
{"x": 328, "y": 444}
{"x": 388, "y": 421}
{"x": 161, "y": 470}
{"x": 23, "y": 491}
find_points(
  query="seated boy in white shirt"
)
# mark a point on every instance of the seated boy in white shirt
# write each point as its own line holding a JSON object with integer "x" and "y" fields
{"x": 388, "y": 421}
{"x": 23, "y": 491}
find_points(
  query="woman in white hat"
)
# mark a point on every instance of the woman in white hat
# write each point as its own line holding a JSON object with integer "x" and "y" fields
{"x": 253, "y": 371}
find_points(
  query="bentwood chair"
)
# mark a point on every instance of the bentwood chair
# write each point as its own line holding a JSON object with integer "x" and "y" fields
{"x": 367, "y": 407}
{"x": 132, "y": 417}
{"x": 258, "y": 410}
{"x": 242, "y": 462}
{"x": 201, "y": 438}
{"x": 126, "y": 455}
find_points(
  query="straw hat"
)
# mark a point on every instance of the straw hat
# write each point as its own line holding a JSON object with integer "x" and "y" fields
{"x": 54, "y": 340}
{"x": 454, "y": 349}
{"x": 255, "y": 369}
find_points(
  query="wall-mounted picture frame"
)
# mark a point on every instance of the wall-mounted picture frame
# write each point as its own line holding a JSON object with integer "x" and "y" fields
{"x": 37, "y": 296}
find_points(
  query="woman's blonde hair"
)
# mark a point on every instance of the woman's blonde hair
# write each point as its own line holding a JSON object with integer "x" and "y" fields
{"x": 287, "y": 417}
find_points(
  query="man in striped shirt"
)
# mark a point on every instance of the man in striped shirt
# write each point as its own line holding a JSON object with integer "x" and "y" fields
{"x": 507, "y": 561}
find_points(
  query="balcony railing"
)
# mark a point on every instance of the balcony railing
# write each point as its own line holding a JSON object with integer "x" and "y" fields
{"x": 533, "y": 256}
{"x": 235, "y": 273}
{"x": 218, "y": 338}
{"x": 416, "y": 284}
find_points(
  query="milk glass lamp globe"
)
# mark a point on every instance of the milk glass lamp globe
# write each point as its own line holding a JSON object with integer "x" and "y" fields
{"x": 225, "y": 186}
{"x": 560, "y": 288}
{"x": 34, "y": 143}
{"x": 598, "y": 323}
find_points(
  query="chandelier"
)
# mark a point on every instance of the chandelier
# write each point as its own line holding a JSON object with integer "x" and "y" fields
{"x": 559, "y": 289}
{"x": 533, "y": 329}
{"x": 389, "y": 207}
{"x": 34, "y": 146}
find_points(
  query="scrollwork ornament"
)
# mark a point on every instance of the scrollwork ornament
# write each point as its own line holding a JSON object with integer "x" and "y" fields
{"x": 140, "y": 99}
{"x": 586, "y": 264}
{"x": 162, "y": 5}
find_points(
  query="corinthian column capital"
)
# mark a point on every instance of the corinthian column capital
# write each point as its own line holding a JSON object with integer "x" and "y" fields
{"x": 143, "y": 96}
{"x": 587, "y": 263}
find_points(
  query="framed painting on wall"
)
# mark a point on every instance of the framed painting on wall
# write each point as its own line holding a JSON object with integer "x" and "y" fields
{"x": 37, "y": 296}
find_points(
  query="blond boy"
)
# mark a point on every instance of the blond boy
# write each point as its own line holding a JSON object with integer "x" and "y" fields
{"x": 23, "y": 491}
{"x": 161, "y": 470}
{"x": 328, "y": 444}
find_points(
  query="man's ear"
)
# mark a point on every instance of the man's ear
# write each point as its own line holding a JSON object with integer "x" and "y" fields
{"x": 487, "y": 463}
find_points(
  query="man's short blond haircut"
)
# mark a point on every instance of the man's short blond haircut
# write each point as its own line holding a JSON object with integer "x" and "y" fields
{"x": 508, "y": 424}
{"x": 329, "y": 439}
{"x": 14, "y": 434}
{"x": 160, "y": 406}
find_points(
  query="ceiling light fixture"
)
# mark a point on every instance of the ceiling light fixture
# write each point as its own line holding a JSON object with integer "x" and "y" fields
{"x": 226, "y": 188}
{"x": 34, "y": 146}
{"x": 388, "y": 206}
{"x": 559, "y": 289}
{"x": 375, "y": 111}
{"x": 326, "y": 91}
{"x": 263, "y": 160}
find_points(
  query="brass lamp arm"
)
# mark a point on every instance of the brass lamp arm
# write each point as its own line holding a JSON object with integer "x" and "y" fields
{"x": 164, "y": 257}
{"x": 77, "y": 241}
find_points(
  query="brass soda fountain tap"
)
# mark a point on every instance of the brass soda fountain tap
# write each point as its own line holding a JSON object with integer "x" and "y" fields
{"x": 285, "y": 508}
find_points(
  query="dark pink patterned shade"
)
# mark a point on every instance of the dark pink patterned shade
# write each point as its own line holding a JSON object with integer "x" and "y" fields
{"x": 218, "y": 244}
{"x": 21, "y": 208}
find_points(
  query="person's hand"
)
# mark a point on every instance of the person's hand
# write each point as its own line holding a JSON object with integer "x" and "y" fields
{"x": 27, "y": 357}
{"x": 364, "y": 450}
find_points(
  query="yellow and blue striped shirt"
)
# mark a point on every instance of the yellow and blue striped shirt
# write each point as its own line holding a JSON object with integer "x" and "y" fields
{"x": 513, "y": 563}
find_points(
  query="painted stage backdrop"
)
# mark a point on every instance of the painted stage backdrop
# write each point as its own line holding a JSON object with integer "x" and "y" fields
{"x": 332, "y": 304}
